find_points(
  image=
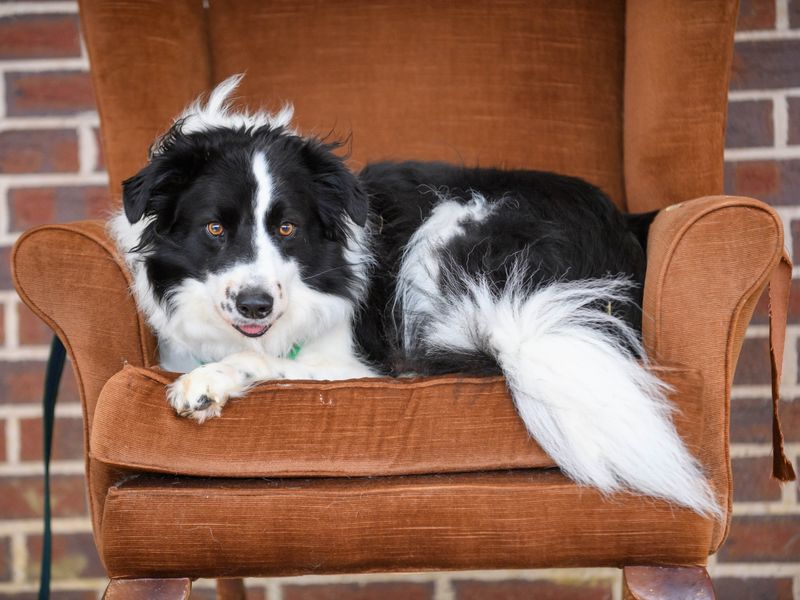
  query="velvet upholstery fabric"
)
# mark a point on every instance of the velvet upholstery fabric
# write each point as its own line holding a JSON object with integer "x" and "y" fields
{"x": 359, "y": 427}
{"x": 515, "y": 83}
{"x": 506, "y": 520}
{"x": 630, "y": 96}
{"x": 697, "y": 306}
{"x": 677, "y": 63}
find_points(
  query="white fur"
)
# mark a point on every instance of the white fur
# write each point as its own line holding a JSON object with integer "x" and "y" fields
{"x": 417, "y": 280}
{"x": 597, "y": 411}
{"x": 216, "y": 113}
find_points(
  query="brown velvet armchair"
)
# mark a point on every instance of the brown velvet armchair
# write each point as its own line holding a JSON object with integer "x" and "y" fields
{"x": 429, "y": 474}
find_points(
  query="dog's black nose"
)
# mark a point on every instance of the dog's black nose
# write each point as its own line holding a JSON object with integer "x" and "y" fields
{"x": 253, "y": 303}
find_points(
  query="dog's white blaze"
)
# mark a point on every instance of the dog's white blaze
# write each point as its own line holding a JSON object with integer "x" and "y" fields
{"x": 262, "y": 202}
{"x": 269, "y": 265}
{"x": 419, "y": 269}
{"x": 268, "y": 269}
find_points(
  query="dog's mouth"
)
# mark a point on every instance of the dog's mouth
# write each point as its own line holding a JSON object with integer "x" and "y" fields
{"x": 254, "y": 330}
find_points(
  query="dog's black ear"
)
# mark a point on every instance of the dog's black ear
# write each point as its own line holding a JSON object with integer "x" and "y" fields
{"x": 136, "y": 194}
{"x": 338, "y": 190}
{"x": 174, "y": 162}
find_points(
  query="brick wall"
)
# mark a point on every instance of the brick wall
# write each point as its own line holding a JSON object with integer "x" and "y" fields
{"x": 51, "y": 169}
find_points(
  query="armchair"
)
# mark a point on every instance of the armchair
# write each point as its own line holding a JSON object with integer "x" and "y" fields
{"x": 433, "y": 473}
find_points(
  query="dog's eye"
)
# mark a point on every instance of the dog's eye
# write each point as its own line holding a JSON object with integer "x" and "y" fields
{"x": 286, "y": 229}
{"x": 215, "y": 229}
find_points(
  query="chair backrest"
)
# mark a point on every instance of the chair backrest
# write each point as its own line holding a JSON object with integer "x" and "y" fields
{"x": 628, "y": 95}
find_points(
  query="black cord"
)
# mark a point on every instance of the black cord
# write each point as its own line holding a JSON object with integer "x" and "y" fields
{"x": 52, "y": 379}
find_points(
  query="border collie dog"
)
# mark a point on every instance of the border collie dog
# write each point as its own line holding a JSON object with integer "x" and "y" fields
{"x": 257, "y": 255}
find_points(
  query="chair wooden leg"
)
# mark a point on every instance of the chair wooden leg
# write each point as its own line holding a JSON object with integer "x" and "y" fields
{"x": 666, "y": 583}
{"x": 230, "y": 589}
{"x": 148, "y": 589}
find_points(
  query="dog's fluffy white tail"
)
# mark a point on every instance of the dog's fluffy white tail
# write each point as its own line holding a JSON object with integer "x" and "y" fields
{"x": 577, "y": 383}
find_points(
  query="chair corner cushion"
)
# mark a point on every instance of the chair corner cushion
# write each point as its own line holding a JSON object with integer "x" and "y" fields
{"x": 708, "y": 261}
{"x": 72, "y": 277}
{"x": 40, "y": 251}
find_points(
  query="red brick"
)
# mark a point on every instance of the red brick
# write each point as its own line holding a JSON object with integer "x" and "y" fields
{"x": 751, "y": 420}
{"x": 794, "y": 14}
{"x": 794, "y": 232}
{"x": 39, "y": 36}
{"x": 3, "y": 456}
{"x": 754, "y": 178}
{"x": 74, "y": 556}
{"x": 256, "y": 593}
{"x": 753, "y": 367}
{"x": 794, "y": 120}
{"x": 211, "y": 594}
{"x": 752, "y": 480}
{"x": 541, "y": 590}
{"x": 775, "y": 182}
{"x": 790, "y": 419}
{"x": 731, "y": 588}
{"x": 756, "y": 14}
{"x": 23, "y": 382}
{"x": 770, "y": 538}
{"x": 22, "y": 496}
{"x": 29, "y": 207}
{"x": 5, "y": 559}
{"x": 765, "y": 64}
{"x": 67, "y": 438}
{"x": 32, "y": 330}
{"x": 5, "y": 269}
{"x": 749, "y": 124}
{"x": 38, "y": 151}
{"x": 359, "y": 591}
{"x": 48, "y": 93}
{"x": 761, "y": 312}
{"x": 89, "y": 594}
{"x": 74, "y": 594}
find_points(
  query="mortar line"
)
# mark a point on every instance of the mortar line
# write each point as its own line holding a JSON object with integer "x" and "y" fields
{"x": 780, "y": 120}
{"x": 33, "y": 8}
{"x": 782, "y": 15}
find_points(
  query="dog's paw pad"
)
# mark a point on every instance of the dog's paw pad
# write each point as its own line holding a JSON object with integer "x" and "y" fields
{"x": 203, "y": 402}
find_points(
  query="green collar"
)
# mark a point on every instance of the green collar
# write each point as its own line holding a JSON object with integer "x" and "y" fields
{"x": 294, "y": 352}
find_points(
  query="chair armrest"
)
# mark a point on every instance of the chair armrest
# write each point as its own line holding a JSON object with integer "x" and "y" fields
{"x": 709, "y": 259}
{"x": 73, "y": 279}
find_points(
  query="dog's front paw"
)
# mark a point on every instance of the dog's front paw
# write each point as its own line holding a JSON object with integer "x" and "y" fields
{"x": 201, "y": 394}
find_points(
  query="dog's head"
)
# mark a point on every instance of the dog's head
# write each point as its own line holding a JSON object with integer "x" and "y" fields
{"x": 238, "y": 217}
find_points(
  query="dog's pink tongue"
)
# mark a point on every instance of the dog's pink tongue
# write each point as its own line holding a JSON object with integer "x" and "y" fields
{"x": 252, "y": 329}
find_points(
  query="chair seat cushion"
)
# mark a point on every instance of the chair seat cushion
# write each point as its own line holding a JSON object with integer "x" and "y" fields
{"x": 501, "y": 520}
{"x": 364, "y": 427}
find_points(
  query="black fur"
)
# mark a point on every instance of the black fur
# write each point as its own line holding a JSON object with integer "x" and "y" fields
{"x": 558, "y": 228}
{"x": 561, "y": 228}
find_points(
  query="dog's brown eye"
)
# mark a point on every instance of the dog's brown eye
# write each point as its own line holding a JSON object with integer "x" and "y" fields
{"x": 286, "y": 229}
{"x": 215, "y": 229}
